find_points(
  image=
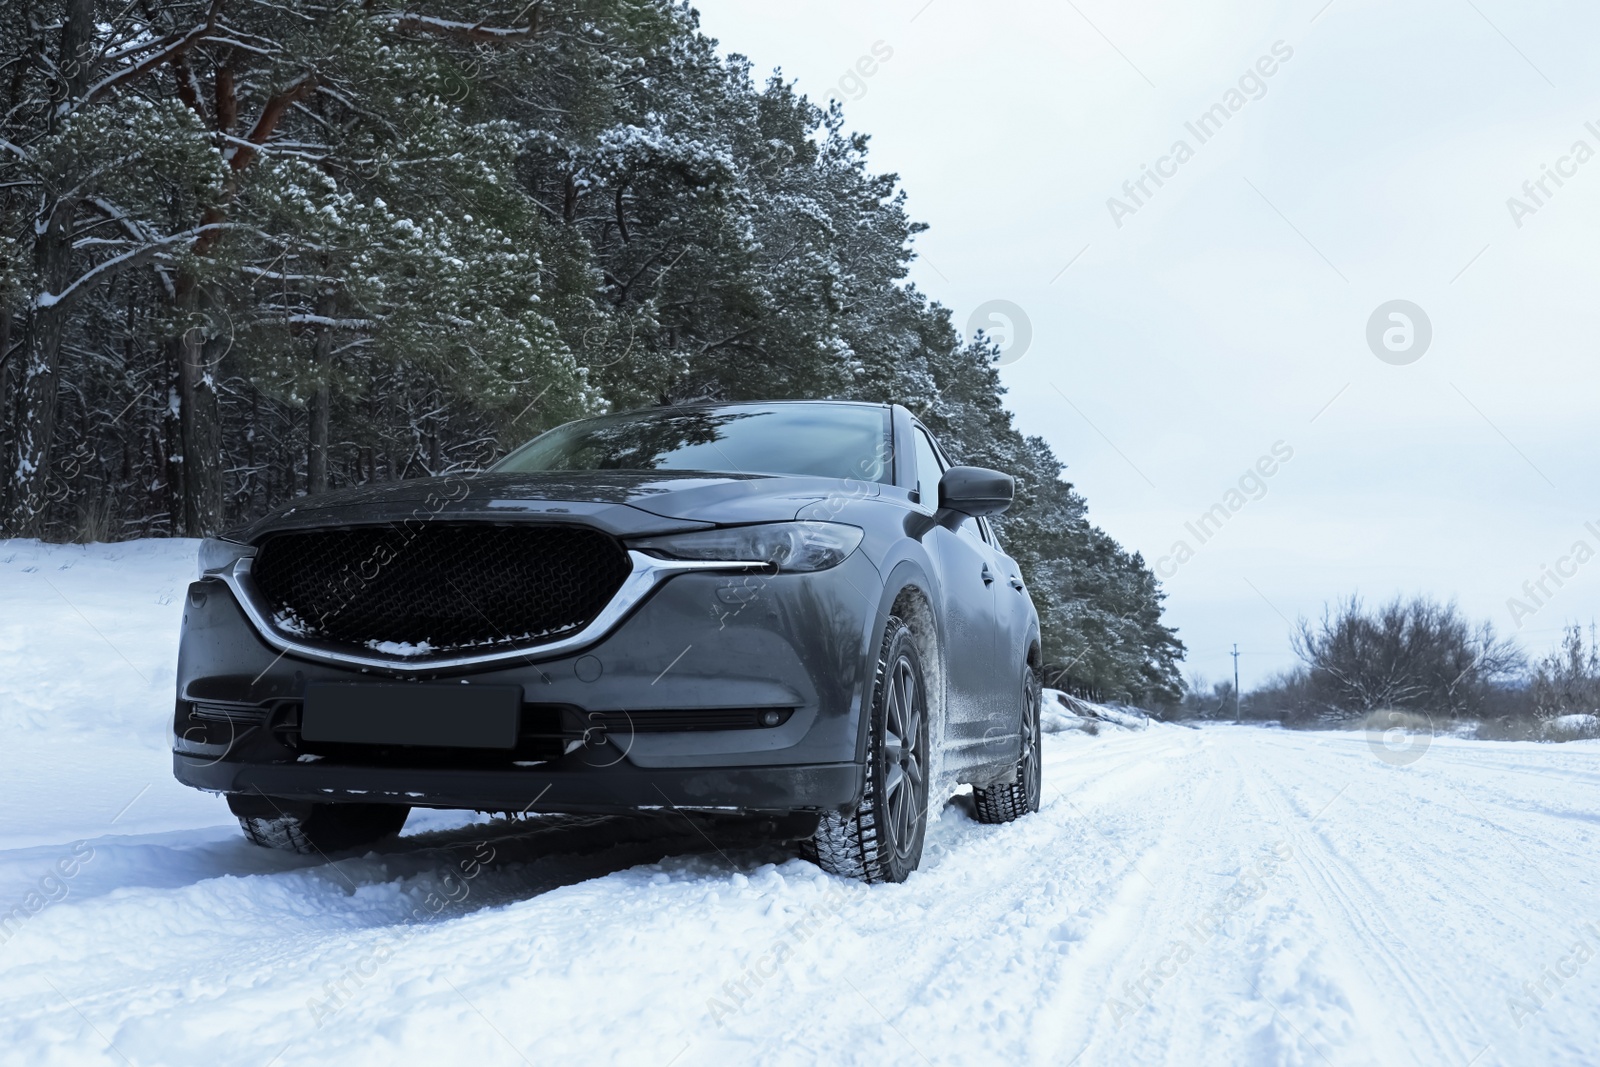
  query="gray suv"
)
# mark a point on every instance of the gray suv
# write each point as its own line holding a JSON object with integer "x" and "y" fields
{"x": 794, "y": 612}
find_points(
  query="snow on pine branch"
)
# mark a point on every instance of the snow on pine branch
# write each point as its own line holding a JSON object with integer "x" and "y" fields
{"x": 116, "y": 264}
{"x": 472, "y": 31}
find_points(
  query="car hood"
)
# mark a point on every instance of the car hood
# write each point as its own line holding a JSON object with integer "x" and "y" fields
{"x": 624, "y": 503}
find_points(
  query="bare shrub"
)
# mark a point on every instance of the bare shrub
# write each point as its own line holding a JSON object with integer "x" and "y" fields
{"x": 1514, "y": 728}
{"x": 1419, "y": 655}
{"x": 1202, "y": 700}
{"x": 1567, "y": 681}
{"x": 1288, "y": 698}
{"x": 1572, "y": 728}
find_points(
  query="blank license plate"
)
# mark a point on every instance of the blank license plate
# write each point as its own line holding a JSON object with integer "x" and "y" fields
{"x": 428, "y": 716}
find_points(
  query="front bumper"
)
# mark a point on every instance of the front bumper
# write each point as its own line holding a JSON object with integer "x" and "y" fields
{"x": 572, "y": 788}
{"x": 700, "y": 641}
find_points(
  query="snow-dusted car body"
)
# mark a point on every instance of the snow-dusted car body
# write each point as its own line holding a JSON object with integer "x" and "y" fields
{"x": 673, "y": 657}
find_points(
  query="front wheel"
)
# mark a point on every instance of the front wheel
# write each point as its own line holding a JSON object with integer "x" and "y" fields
{"x": 881, "y": 841}
{"x": 1010, "y": 801}
{"x": 316, "y": 829}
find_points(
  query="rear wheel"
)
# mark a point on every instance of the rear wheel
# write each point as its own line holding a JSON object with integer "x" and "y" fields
{"x": 881, "y": 841}
{"x": 1010, "y": 801}
{"x": 315, "y": 829}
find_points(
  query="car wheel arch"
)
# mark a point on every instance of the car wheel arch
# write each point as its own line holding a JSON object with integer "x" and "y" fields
{"x": 907, "y": 596}
{"x": 1033, "y": 659}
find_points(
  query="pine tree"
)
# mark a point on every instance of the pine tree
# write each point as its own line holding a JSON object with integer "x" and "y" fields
{"x": 250, "y": 250}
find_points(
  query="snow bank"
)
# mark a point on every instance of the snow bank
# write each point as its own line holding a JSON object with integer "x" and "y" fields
{"x": 88, "y": 663}
{"x": 1574, "y": 726}
{"x": 1062, "y": 713}
{"x": 89, "y": 634}
{"x": 1204, "y": 896}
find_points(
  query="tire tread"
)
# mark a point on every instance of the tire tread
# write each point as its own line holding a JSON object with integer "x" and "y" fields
{"x": 1007, "y": 801}
{"x": 326, "y": 828}
{"x": 849, "y": 844}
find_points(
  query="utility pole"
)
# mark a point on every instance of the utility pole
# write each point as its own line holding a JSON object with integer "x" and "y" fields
{"x": 1236, "y": 685}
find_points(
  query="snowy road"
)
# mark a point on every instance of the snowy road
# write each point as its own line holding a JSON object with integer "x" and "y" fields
{"x": 1218, "y": 896}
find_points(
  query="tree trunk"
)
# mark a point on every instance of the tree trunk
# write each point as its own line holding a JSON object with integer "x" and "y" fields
{"x": 199, "y": 421}
{"x": 7, "y": 426}
{"x": 321, "y": 412}
{"x": 37, "y": 395}
{"x": 167, "y": 449}
{"x": 38, "y": 377}
{"x": 202, "y": 438}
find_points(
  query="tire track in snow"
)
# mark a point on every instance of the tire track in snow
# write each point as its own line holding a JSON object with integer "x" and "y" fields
{"x": 201, "y": 938}
{"x": 1345, "y": 894}
{"x": 1421, "y": 842}
{"x": 1484, "y": 778}
{"x": 1002, "y": 949}
{"x": 984, "y": 953}
{"x": 1134, "y": 932}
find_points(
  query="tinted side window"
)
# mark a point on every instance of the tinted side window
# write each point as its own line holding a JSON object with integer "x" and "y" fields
{"x": 928, "y": 469}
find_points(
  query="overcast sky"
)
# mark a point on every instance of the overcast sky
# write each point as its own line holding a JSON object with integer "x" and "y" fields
{"x": 1181, "y": 335}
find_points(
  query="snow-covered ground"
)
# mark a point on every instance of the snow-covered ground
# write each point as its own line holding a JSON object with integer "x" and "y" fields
{"x": 1231, "y": 896}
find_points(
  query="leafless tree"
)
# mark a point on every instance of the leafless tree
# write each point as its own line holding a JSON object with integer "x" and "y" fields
{"x": 1417, "y": 654}
{"x": 1567, "y": 681}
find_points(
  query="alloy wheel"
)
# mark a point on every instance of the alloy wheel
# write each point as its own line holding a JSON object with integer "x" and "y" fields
{"x": 1032, "y": 770}
{"x": 905, "y": 762}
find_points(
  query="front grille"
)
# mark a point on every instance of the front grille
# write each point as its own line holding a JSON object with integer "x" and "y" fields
{"x": 436, "y": 587}
{"x": 222, "y": 711}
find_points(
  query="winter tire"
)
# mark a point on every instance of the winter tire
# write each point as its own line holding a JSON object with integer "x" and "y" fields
{"x": 881, "y": 841}
{"x": 1008, "y": 802}
{"x": 317, "y": 829}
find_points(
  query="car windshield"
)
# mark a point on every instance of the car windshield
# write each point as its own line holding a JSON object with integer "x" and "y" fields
{"x": 819, "y": 440}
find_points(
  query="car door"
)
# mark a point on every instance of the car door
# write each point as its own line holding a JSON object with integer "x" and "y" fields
{"x": 967, "y": 579}
{"x": 1013, "y": 609}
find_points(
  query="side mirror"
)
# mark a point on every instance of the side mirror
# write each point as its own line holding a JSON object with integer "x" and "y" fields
{"x": 973, "y": 492}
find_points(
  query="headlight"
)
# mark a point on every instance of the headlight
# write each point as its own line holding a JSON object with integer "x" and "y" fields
{"x": 217, "y": 555}
{"x": 792, "y": 547}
